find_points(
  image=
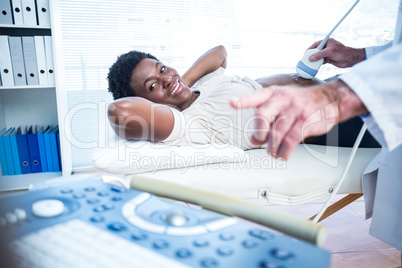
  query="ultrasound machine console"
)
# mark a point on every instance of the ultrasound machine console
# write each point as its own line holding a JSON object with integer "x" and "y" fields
{"x": 89, "y": 223}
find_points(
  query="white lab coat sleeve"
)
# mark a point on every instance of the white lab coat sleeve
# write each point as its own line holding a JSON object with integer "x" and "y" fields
{"x": 378, "y": 83}
{"x": 373, "y": 50}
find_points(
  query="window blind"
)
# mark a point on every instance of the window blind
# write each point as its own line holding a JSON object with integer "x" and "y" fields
{"x": 261, "y": 37}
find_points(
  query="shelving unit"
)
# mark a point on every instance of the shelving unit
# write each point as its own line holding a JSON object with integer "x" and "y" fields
{"x": 26, "y": 105}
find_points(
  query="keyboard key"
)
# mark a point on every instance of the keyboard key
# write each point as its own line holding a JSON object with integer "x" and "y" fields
{"x": 282, "y": 254}
{"x": 183, "y": 253}
{"x": 225, "y": 251}
{"x": 160, "y": 244}
{"x": 209, "y": 263}
{"x": 117, "y": 226}
{"x": 261, "y": 234}
{"x": 249, "y": 244}
{"x": 201, "y": 243}
{"x": 226, "y": 236}
{"x": 269, "y": 264}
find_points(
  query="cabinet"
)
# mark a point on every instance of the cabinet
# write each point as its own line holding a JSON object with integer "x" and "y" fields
{"x": 27, "y": 105}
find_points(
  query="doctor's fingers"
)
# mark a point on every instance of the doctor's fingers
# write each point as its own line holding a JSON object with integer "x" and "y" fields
{"x": 288, "y": 126}
{"x": 325, "y": 54}
{"x": 279, "y": 134}
{"x": 290, "y": 141}
{"x": 315, "y": 45}
{"x": 253, "y": 100}
{"x": 267, "y": 114}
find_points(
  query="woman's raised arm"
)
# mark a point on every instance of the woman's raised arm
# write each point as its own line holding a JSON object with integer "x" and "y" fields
{"x": 140, "y": 119}
{"x": 207, "y": 63}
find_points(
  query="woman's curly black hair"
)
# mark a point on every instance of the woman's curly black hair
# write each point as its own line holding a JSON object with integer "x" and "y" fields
{"x": 120, "y": 73}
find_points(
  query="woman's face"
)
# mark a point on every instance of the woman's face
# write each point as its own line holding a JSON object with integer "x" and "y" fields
{"x": 154, "y": 81}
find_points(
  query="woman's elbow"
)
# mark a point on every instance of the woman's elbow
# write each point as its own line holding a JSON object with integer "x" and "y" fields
{"x": 124, "y": 121}
{"x": 224, "y": 55}
{"x": 118, "y": 111}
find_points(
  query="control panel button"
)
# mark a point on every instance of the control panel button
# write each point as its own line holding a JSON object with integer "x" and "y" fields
{"x": 97, "y": 218}
{"x": 220, "y": 224}
{"x": 79, "y": 195}
{"x": 118, "y": 189}
{"x": 264, "y": 235}
{"x": 47, "y": 208}
{"x": 90, "y": 189}
{"x": 269, "y": 264}
{"x": 209, "y": 262}
{"x": 138, "y": 235}
{"x": 183, "y": 253}
{"x": 249, "y": 244}
{"x": 108, "y": 206}
{"x": 117, "y": 226}
{"x": 139, "y": 199}
{"x": 176, "y": 218}
{"x": 200, "y": 242}
{"x": 20, "y": 213}
{"x": 66, "y": 191}
{"x": 117, "y": 199}
{"x": 128, "y": 210}
{"x": 185, "y": 231}
{"x": 160, "y": 244}
{"x": 282, "y": 254}
{"x": 99, "y": 209}
{"x": 103, "y": 193}
{"x": 146, "y": 225}
{"x": 225, "y": 251}
{"x": 226, "y": 236}
{"x": 93, "y": 201}
{"x": 11, "y": 218}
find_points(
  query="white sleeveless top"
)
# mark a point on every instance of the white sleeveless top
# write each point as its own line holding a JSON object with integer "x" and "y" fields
{"x": 211, "y": 119}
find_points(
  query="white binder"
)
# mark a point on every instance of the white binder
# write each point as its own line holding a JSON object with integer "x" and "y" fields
{"x": 49, "y": 59}
{"x": 17, "y": 12}
{"x": 5, "y": 63}
{"x": 17, "y": 60}
{"x": 43, "y": 12}
{"x": 5, "y": 12}
{"x": 29, "y": 12}
{"x": 41, "y": 60}
{"x": 31, "y": 67}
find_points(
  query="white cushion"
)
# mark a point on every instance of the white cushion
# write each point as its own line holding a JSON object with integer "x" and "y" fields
{"x": 130, "y": 157}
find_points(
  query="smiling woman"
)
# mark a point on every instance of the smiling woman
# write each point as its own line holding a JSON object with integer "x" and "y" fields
{"x": 154, "y": 81}
{"x": 140, "y": 81}
{"x": 153, "y": 102}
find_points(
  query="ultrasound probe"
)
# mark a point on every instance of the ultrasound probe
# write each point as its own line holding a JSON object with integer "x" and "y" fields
{"x": 308, "y": 69}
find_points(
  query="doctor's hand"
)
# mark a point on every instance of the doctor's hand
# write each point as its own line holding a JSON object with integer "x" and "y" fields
{"x": 287, "y": 115}
{"x": 338, "y": 54}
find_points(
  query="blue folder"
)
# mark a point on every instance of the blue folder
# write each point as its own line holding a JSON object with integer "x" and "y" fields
{"x": 23, "y": 151}
{"x": 14, "y": 149}
{"x": 3, "y": 161}
{"x": 55, "y": 153}
{"x": 42, "y": 149}
{"x": 58, "y": 148}
{"x": 9, "y": 154}
{"x": 48, "y": 149}
{"x": 33, "y": 148}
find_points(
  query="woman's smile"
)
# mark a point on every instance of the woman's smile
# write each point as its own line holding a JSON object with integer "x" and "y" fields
{"x": 176, "y": 89}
